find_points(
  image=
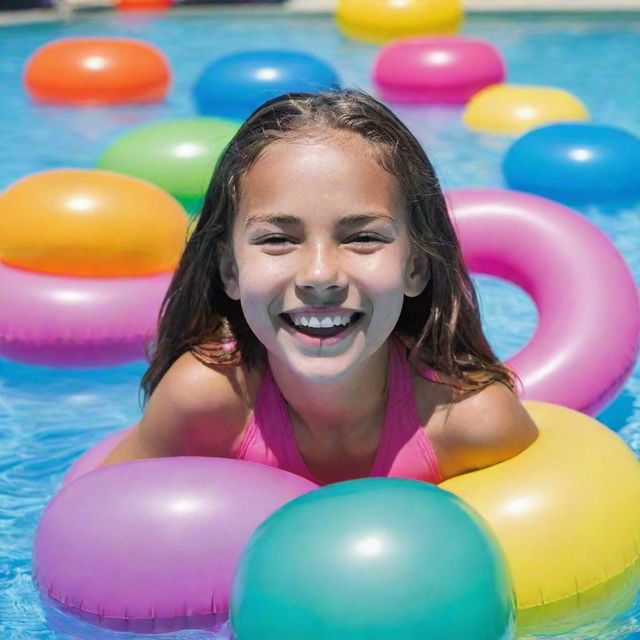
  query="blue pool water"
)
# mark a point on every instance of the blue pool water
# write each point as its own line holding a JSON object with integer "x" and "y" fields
{"x": 49, "y": 417}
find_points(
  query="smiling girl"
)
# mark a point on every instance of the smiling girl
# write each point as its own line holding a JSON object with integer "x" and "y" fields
{"x": 321, "y": 319}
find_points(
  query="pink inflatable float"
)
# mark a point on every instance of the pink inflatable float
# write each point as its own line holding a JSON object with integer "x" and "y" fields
{"x": 93, "y": 458}
{"x": 151, "y": 546}
{"x": 586, "y": 342}
{"x": 436, "y": 70}
{"x": 71, "y": 321}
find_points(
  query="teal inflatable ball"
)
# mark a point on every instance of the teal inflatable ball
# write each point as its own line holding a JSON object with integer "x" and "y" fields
{"x": 373, "y": 559}
{"x": 235, "y": 85}
{"x": 177, "y": 155}
{"x": 576, "y": 164}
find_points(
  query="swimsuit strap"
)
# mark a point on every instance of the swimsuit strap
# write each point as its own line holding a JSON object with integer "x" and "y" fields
{"x": 265, "y": 439}
{"x": 405, "y": 450}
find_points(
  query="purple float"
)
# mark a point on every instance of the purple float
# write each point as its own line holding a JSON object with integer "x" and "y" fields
{"x": 94, "y": 457}
{"x": 67, "y": 321}
{"x": 151, "y": 546}
{"x": 436, "y": 70}
{"x": 586, "y": 342}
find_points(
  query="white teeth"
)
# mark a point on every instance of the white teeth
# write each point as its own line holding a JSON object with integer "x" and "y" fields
{"x": 321, "y": 322}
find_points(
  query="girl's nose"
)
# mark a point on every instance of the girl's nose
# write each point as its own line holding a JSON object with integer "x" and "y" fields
{"x": 320, "y": 269}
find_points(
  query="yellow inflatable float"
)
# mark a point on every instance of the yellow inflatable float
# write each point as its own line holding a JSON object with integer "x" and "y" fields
{"x": 86, "y": 222}
{"x": 567, "y": 513}
{"x": 513, "y": 109}
{"x": 380, "y": 21}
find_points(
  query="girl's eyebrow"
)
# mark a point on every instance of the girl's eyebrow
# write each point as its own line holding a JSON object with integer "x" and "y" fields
{"x": 288, "y": 220}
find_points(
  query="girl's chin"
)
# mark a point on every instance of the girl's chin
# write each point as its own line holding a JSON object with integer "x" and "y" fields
{"x": 323, "y": 365}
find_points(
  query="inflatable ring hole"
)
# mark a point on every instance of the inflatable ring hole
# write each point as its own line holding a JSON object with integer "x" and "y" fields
{"x": 619, "y": 414}
{"x": 509, "y": 314}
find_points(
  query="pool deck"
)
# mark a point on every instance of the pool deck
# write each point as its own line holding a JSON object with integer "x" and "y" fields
{"x": 67, "y": 8}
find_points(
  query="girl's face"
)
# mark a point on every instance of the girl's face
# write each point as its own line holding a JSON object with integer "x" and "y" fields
{"x": 320, "y": 238}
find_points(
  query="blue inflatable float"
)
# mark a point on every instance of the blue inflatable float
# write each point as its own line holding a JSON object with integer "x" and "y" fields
{"x": 576, "y": 164}
{"x": 234, "y": 85}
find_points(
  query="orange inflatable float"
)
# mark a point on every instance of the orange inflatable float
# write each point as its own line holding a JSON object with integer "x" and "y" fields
{"x": 97, "y": 71}
{"x": 142, "y": 5}
{"x": 87, "y": 222}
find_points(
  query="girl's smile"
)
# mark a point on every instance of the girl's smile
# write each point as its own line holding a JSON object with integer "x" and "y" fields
{"x": 321, "y": 326}
{"x": 321, "y": 258}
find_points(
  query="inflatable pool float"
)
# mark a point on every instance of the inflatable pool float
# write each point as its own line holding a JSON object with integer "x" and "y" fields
{"x": 97, "y": 71}
{"x": 513, "y": 109}
{"x": 436, "y": 70}
{"x": 565, "y": 511}
{"x": 69, "y": 322}
{"x": 576, "y": 163}
{"x": 380, "y": 21}
{"x": 586, "y": 343}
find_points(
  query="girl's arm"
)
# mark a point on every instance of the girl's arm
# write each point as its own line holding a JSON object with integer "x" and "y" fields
{"x": 194, "y": 411}
{"x": 483, "y": 429}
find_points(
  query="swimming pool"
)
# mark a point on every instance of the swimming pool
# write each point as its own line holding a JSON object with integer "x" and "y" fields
{"x": 49, "y": 417}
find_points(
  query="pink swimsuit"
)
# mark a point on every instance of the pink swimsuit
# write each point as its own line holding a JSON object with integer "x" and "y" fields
{"x": 404, "y": 451}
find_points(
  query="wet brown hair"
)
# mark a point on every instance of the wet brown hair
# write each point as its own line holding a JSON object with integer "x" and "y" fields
{"x": 441, "y": 325}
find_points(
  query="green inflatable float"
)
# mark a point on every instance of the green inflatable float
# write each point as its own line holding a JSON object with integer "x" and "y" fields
{"x": 373, "y": 559}
{"x": 177, "y": 155}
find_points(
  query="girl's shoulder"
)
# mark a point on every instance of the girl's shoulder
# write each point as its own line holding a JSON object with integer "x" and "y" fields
{"x": 235, "y": 383}
{"x": 473, "y": 429}
{"x": 201, "y": 409}
{"x": 432, "y": 398}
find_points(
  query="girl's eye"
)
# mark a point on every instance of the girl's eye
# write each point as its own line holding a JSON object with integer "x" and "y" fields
{"x": 274, "y": 240}
{"x": 365, "y": 239}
